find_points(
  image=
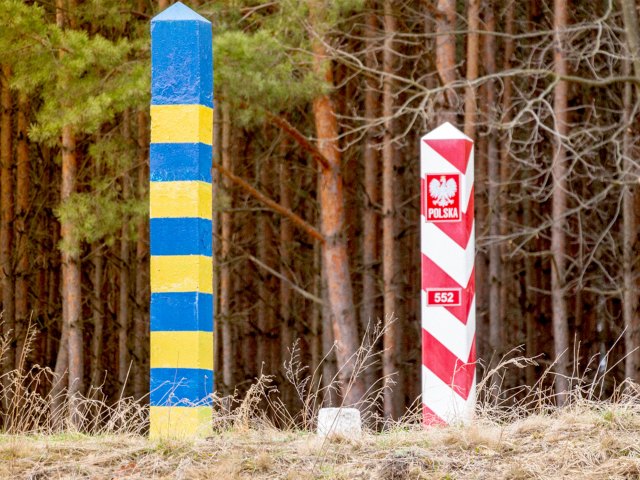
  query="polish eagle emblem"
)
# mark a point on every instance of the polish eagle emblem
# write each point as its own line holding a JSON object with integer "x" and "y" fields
{"x": 442, "y": 191}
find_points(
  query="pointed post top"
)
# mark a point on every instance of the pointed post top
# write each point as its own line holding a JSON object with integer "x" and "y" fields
{"x": 446, "y": 131}
{"x": 181, "y": 58}
{"x": 178, "y": 12}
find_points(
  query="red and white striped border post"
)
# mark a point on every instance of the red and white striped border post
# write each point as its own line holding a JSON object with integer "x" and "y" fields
{"x": 448, "y": 284}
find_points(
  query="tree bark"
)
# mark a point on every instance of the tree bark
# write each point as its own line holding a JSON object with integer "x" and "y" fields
{"x": 495, "y": 321}
{"x": 559, "y": 208}
{"x": 329, "y": 367}
{"x": 266, "y": 321}
{"x": 632, "y": 30}
{"x": 390, "y": 261}
{"x": 473, "y": 54}
{"x": 339, "y": 288}
{"x": 141, "y": 314}
{"x": 503, "y": 192}
{"x": 225, "y": 250}
{"x": 71, "y": 293}
{"x": 317, "y": 318}
{"x": 70, "y": 257}
{"x": 370, "y": 222}
{"x": 287, "y": 324}
{"x": 23, "y": 185}
{"x": 123, "y": 275}
{"x": 531, "y": 300}
{"x": 215, "y": 242}
{"x": 7, "y": 220}
{"x": 446, "y": 56}
{"x": 97, "y": 340}
{"x": 630, "y": 311}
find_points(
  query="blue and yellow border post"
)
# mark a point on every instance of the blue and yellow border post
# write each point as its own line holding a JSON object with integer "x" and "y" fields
{"x": 181, "y": 377}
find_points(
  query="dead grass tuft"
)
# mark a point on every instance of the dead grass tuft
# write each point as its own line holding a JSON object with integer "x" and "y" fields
{"x": 404, "y": 464}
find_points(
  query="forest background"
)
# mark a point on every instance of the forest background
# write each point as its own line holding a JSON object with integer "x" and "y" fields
{"x": 319, "y": 109}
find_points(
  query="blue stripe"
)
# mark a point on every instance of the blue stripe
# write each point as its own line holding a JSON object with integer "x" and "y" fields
{"x": 181, "y": 62}
{"x": 180, "y": 236}
{"x": 180, "y": 387}
{"x": 182, "y": 311}
{"x": 171, "y": 162}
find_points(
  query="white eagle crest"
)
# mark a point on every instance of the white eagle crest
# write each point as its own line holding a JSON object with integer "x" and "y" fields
{"x": 442, "y": 191}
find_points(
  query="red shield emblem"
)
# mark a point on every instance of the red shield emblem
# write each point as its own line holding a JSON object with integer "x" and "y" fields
{"x": 442, "y": 196}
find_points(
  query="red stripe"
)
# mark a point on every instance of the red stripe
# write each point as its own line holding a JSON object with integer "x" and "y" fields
{"x": 455, "y": 151}
{"x": 456, "y": 373}
{"x": 459, "y": 232}
{"x": 434, "y": 277}
{"x": 431, "y": 418}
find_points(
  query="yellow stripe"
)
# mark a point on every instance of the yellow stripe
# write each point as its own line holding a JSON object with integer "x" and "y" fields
{"x": 181, "y": 124}
{"x": 180, "y": 422}
{"x": 180, "y": 199}
{"x": 181, "y": 273}
{"x": 182, "y": 350}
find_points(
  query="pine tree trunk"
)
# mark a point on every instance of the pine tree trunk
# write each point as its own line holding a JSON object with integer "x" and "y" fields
{"x": 54, "y": 335}
{"x": 215, "y": 242}
{"x": 390, "y": 261}
{"x": 334, "y": 255}
{"x": 370, "y": 227}
{"x": 97, "y": 340}
{"x": 58, "y": 340}
{"x": 317, "y": 332}
{"x": 446, "y": 56}
{"x": 632, "y": 30}
{"x": 473, "y": 54}
{"x": 70, "y": 258}
{"x": 503, "y": 192}
{"x": 287, "y": 325}
{"x": 530, "y": 302}
{"x": 329, "y": 367}
{"x": 630, "y": 193}
{"x": 123, "y": 276}
{"x": 71, "y": 293}
{"x": 225, "y": 250}
{"x": 482, "y": 259}
{"x": 630, "y": 311}
{"x": 6, "y": 220}
{"x": 141, "y": 314}
{"x": 58, "y": 391}
{"x": 495, "y": 321}
{"x": 559, "y": 208}
{"x": 266, "y": 321}
{"x": 23, "y": 186}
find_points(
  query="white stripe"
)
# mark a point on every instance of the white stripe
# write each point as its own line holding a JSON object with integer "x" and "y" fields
{"x": 444, "y": 132}
{"x": 444, "y": 401}
{"x": 447, "y": 254}
{"x": 448, "y": 330}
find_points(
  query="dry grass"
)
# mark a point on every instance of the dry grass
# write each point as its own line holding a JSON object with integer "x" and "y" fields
{"x": 590, "y": 438}
{"x": 586, "y": 441}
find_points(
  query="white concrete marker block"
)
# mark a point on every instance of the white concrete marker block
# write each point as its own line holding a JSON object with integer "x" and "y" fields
{"x": 343, "y": 422}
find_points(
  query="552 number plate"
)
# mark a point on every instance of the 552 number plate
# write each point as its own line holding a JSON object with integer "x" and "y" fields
{"x": 444, "y": 297}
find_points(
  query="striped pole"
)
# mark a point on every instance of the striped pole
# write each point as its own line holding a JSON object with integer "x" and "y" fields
{"x": 448, "y": 284}
{"x": 181, "y": 379}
